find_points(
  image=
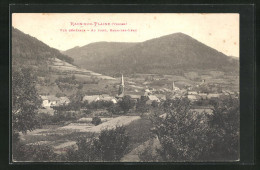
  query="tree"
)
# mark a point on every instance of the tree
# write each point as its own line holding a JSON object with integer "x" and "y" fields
{"x": 75, "y": 100}
{"x": 109, "y": 145}
{"x": 112, "y": 144}
{"x": 96, "y": 121}
{"x": 155, "y": 104}
{"x": 224, "y": 129}
{"x": 126, "y": 103}
{"x": 182, "y": 133}
{"x": 25, "y": 101}
{"x": 141, "y": 105}
{"x": 114, "y": 109}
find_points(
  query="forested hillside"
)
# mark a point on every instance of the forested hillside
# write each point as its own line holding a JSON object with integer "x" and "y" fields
{"x": 30, "y": 52}
{"x": 170, "y": 54}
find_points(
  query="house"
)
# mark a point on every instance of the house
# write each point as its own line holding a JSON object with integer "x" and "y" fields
{"x": 105, "y": 97}
{"x": 48, "y": 101}
{"x": 213, "y": 95}
{"x": 149, "y": 91}
{"x": 63, "y": 101}
{"x": 192, "y": 92}
{"x": 152, "y": 98}
{"x": 193, "y": 97}
{"x": 161, "y": 97}
{"x": 203, "y": 96}
{"x": 203, "y": 109}
{"x": 135, "y": 97}
{"x": 92, "y": 98}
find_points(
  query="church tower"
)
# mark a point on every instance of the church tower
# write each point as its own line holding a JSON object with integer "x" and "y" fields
{"x": 121, "y": 89}
{"x": 173, "y": 86}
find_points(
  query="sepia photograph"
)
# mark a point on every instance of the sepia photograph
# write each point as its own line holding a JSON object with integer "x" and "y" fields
{"x": 125, "y": 87}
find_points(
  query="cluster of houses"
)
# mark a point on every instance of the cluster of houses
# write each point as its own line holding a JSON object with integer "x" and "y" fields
{"x": 51, "y": 100}
{"x": 194, "y": 95}
{"x": 103, "y": 97}
{"x": 175, "y": 92}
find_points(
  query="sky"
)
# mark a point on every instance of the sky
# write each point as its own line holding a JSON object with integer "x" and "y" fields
{"x": 63, "y": 30}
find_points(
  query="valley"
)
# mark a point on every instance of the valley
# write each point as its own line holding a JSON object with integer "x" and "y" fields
{"x": 112, "y": 101}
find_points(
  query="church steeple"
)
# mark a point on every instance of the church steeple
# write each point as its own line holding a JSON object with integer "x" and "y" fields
{"x": 122, "y": 81}
{"x": 121, "y": 89}
{"x": 174, "y": 87}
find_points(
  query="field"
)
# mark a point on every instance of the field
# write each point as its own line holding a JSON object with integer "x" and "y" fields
{"x": 61, "y": 137}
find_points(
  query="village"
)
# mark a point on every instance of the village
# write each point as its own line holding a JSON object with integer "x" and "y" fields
{"x": 99, "y": 112}
{"x": 168, "y": 98}
{"x": 195, "y": 93}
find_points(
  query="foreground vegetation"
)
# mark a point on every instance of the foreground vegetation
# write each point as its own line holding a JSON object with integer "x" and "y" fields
{"x": 182, "y": 133}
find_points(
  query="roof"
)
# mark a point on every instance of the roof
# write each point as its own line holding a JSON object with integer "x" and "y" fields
{"x": 153, "y": 97}
{"x": 193, "y": 97}
{"x": 104, "y": 97}
{"x": 213, "y": 95}
{"x": 203, "y": 110}
{"x": 50, "y": 97}
{"x": 66, "y": 99}
{"x": 161, "y": 96}
{"x": 120, "y": 96}
{"x": 192, "y": 92}
{"x": 91, "y": 98}
{"x": 133, "y": 96}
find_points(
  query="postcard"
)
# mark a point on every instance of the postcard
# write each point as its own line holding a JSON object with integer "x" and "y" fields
{"x": 125, "y": 87}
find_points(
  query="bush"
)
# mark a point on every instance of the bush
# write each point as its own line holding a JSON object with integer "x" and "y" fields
{"x": 110, "y": 145}
{"x": 190, "y": 136}
{"x": 100, "y": 104}
{"x": 182, "y": 133}
{"x": 126, "y": 103}
{"x": 149, "y": 154}
{"x": 141, "y": 105}
{"x": 96, "y": 121}
{"x": 224, "y": 130}
{"x": 115, "y": 109}
{"x": 36, "y": 153}
{"x": 87, "y": 112}
{"x": 25, "y": 101}
{"x": 60, "y": 116}
{"x": 44, "y": 119}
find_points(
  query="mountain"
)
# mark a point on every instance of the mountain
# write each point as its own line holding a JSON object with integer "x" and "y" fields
{"x": 52, "y": 71}
{"x": 89, "y": 54}
{"x": 170, "y": 54}
{"x": 29, "y": 51}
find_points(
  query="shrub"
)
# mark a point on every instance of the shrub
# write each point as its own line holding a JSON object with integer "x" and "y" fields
{"x": 189, "y": 136}
{"x": 25, "y": 101}
{"x": 100, "y": 104}
{"x": 182, "y": 133}
{"x": 149, "y": 154}
{"x": 41, "y": 153}
{"x": 96, "y": 121}
{"x": 115, "y": 109}
{"x": 141, "y": 105}
{"x": 87, "y": 112}
{"x": 60, "y": 116}
{"x": 110, "y": 145}
{"x": 44, "y": 119}
{"x": 224, "y": 130}
{"x": 126, "y": 103}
